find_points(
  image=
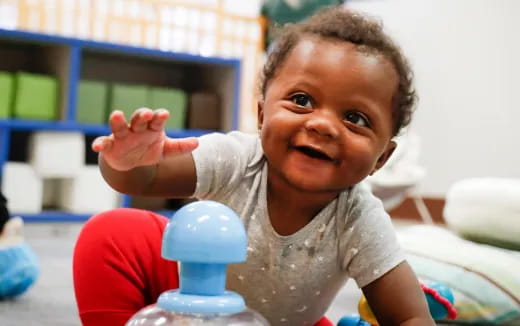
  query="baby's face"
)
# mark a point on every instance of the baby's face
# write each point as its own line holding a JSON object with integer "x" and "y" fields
{"x": 326, "y": 121}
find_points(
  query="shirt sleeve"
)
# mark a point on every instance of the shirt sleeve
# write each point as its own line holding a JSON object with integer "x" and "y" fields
{"x": 373, "y": 247}
{"x": 221, "y": 162}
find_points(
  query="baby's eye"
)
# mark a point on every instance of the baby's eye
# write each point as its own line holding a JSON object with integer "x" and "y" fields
{"x": 302, "y": 100}
{"x": 356, "y": 118}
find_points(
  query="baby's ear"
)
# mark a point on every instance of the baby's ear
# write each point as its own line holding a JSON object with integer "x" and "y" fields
{"x": 390, "y": 148}
{"x": 260, "y": 114}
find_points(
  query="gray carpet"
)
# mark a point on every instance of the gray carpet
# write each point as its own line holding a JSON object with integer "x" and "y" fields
{"x": 50, "y": 302}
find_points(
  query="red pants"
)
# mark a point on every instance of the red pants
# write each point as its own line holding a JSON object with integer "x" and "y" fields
{"x": 118, "y": 268}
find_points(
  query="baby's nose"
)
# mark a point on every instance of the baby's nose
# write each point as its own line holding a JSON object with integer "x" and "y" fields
{"x": 323, "y": 124}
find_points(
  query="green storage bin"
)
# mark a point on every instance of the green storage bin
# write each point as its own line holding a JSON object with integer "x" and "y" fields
{"x": 175, "y": 101}
{"x": 92, "y": 102}
{"x": 6, "y": 94}
{"x": 36, "y": 96}
{"x": 128, "y": 98}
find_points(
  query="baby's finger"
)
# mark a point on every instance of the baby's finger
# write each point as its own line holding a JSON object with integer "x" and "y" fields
{"x": 158, "y": 120}
{"x": 101, "y": 144}
{"x": 140, "y": 118}
{"x": 118, "y": 125}
{"x": 180, "y": 145}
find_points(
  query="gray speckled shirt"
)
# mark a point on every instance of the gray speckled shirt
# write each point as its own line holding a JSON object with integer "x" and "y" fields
{"x": 292, "y": 280}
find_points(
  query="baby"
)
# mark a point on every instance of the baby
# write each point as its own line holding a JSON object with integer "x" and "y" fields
{"x": 335, "y": 91}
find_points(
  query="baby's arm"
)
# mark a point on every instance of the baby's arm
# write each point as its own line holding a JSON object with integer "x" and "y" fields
{"x": 396, "y": 298}
{"x": 139, "y": 159}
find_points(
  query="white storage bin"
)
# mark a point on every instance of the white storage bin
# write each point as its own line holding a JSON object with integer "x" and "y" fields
{"x": 87, "y": 193}
{"x": 57, "y": 154}
{"x": 23, "y": 188}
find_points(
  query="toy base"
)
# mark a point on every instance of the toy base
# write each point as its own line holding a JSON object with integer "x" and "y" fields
{"x": 227, "y": 303}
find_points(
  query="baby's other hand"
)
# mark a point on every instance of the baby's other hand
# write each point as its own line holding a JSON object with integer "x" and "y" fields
{"x": 141, "y": 142}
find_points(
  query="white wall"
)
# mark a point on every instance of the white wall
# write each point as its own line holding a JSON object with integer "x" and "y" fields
{"x": 466, "y": 57}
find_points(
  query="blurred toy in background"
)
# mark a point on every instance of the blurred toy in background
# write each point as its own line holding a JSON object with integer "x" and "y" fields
{"x": 439, "y": 297}
{"x": 277, "y": 13}
{"x": 400, "y": 177}
{"x": 440, "y": 300}
{"x": 18, "y": 263}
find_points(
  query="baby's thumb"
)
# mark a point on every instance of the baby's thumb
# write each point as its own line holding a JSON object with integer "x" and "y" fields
{"x": 180, "y": 145}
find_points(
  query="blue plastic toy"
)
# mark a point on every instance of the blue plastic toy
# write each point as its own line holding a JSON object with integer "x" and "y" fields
{"x": 352, "y": 320}
{"x": 204, "y": 237}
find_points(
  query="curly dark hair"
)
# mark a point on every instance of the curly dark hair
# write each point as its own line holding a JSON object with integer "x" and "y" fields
{"x": 340, "y": 23}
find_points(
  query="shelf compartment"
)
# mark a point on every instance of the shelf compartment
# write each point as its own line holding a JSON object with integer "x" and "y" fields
{"x": 156, "y": 69}
{"x": 31, "y": 56}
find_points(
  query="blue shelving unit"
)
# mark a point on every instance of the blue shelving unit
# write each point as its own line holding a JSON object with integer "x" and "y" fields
{"x": 69, "y": 59}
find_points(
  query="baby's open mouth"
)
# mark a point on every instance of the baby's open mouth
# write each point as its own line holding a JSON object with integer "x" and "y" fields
{"x": 313, "y": 153}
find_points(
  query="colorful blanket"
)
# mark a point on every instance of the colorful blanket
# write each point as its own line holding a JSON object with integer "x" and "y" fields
{"x": 485, "y": 280}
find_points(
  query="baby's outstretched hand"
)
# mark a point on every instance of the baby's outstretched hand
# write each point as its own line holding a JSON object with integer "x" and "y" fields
{"x": 142, "y": 142}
